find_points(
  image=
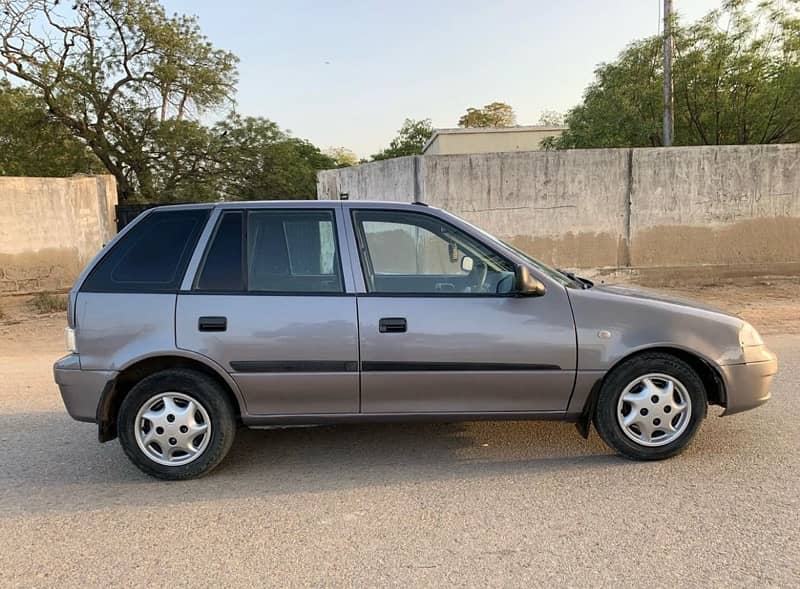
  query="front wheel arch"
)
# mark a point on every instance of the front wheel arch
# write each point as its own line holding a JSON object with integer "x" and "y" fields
{"x": 613, "y": 425}
{"x": 709, "y": 375}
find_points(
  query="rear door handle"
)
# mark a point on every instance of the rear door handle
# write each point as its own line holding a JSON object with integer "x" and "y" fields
{"x": 392, "y": 325}
{"x": 212, "y": 323}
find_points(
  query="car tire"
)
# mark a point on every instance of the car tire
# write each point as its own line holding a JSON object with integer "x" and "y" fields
{"x": 650, "y": 407}
{"x": 164, "y": 423}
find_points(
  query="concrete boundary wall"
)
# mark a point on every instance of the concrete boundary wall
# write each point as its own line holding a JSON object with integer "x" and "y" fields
{"x": 51, "y": 227}
{"x": 734, "y": 207}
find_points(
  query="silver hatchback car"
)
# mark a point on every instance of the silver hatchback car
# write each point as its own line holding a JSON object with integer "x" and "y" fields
{"x": 197, "y": 318}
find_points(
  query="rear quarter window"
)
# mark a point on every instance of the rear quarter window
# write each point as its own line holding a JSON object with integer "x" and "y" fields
{"x": 152, "y": 256}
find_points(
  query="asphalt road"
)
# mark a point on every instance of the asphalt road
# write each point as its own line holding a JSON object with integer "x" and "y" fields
{"x": 483, "y": 504}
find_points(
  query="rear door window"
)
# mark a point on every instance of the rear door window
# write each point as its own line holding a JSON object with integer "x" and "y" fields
{"x": 152, "y": 256}
{"x": 284, "y": 251}
{"x": 223, "y": 266}
{"x": 292, "y": 251}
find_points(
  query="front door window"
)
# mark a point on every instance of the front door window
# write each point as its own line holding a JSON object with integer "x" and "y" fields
{"x": 420, "y": 254}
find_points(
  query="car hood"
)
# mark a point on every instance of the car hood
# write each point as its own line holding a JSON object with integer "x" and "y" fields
{"x": 632, "y": 319}
{"x": 643, "y": 294}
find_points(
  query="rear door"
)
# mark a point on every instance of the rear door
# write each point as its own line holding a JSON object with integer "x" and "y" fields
{"x": 442, "y": 331}
{"x": 269, "y": 303}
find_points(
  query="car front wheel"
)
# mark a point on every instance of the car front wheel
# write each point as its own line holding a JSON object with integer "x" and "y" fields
{"x": 176, "y": 424}
{"x": 650, "y": 407}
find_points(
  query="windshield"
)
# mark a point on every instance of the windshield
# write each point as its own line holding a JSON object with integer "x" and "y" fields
{"x": 553, "y": 273}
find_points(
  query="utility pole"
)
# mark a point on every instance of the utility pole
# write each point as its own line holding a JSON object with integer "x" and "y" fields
{"x": 668, "y": 114}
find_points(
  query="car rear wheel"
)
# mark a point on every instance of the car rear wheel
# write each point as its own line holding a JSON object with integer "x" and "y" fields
{"x": 650, "y": 407}
{"x": 176, "y": 424}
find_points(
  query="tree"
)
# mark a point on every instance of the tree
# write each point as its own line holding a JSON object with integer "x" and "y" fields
{"x": 736, "y": 79}
{"x": 495, "y": 114}
{"x": 33, "y": 144}
{"x": 342, "y": 156}
{"x": 256, "y": 160}
{"x": 551, "y": 118}
{"x": 120, "y": 75}
{"x": 410, "y": 140}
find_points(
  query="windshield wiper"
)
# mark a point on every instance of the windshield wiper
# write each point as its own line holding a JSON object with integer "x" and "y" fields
{"x": 585, "y": 283}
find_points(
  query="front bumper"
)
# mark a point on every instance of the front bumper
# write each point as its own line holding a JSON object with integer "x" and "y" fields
{"x": 81, "y": 390}
{"x": 748, "y": 385}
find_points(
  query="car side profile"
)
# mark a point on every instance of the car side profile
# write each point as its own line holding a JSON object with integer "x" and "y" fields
{"x": 196, "y": 319}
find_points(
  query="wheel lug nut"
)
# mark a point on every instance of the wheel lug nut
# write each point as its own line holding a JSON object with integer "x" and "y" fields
{"x": 656, "y": 421}
{"x": 654, "y": 399}
{"x": 172, "y": 441}
{"x": 184, "y": 429}
{"x": 667, "y": 409}
{"x": 170, "y": 418}
{"x": 644, "y": 412}
{"x": 159, "y": 430}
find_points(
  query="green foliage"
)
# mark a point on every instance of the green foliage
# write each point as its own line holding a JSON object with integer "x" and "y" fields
{"x": 43, "y": 303}
{"x": 342, "y": 156}
{"x": 119, "y": 85}
{"x": 410, "y": 140}
{"x": 495, "y": 114}
{"x": 257, "y": 160}
{"x": 736, "y": 78}
{"x": 34, "y": 144}
{"x": 551, "y": 118}
{"x": 112, "y": 72}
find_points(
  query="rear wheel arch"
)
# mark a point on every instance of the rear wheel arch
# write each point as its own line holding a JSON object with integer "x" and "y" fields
{"x": 110, "y": 402}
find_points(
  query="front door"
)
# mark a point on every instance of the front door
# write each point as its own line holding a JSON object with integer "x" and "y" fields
{"x": 269, "y": 305}
{"x": 442, "y": 331}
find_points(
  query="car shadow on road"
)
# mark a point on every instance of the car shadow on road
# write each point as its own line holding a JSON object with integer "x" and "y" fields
{"x": 52, "y": 463}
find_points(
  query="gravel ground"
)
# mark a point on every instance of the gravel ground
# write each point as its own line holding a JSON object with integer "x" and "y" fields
{"x": 481, "y": 504}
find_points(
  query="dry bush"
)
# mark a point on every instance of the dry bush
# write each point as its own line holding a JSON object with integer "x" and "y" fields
{"x": 47, "y": 303}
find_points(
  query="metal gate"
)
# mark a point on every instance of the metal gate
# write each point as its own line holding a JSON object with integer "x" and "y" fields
{"x": 127, "y": 213}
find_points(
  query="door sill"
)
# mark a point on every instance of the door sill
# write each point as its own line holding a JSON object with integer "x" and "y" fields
{"x": 255, "y": 421}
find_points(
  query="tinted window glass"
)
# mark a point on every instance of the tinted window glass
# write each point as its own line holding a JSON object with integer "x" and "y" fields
{"x": 292, "y": 251}
{"x": 415, "y": 253}
{"x": 222, "y": 269}
{"x": 152, "y": 256}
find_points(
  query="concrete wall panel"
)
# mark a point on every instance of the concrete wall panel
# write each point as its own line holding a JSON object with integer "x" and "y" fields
{"x": 385, "y": 180}
{"x": 735, "y": 204}
{"x": 537, "y": 201}
{"x": 51, "y": 227}
{"x": 727, "y": 206}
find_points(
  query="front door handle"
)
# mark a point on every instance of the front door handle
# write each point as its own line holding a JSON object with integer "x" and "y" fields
{"x": 212, "y": 323}
{"x": 392, "y": 325}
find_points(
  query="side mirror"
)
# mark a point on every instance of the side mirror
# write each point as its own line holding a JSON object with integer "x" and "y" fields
{"x": 525, "y": 284}
{"x": 467, "y": 264}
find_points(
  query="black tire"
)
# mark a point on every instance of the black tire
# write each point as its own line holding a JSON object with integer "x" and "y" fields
{"x": 204, "y": 390}
{"x": 605, "y": 417}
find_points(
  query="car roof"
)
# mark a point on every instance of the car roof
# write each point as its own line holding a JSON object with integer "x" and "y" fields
{"x": 255, "y": 204}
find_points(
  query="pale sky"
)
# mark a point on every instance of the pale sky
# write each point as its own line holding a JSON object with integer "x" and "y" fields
{"x": 347, "y": 73}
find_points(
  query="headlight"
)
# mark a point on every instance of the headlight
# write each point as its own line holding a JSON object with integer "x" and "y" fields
{"x": 69, "y": 335}
{"x": 749, "y": 337}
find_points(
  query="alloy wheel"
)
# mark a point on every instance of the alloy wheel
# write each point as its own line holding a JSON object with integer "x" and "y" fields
{"x": 654, "y": 409}
{"x": 172, "y": 429}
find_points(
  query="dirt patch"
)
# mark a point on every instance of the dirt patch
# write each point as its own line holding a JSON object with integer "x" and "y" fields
{"x": 771, "y": 304}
